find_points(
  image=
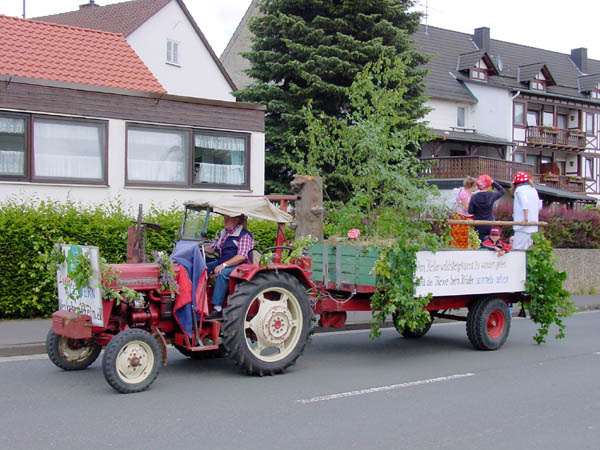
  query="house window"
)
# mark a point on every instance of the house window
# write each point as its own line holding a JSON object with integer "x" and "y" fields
{"x": 220, "y": 159}
{"x": 69, "y": 150}
{"x": 589, "y": 168}
{"x": 595, "y": 93}
{"x": 13, "y": 146}
{"x": 589, "y": 124}
{"x": 173, "y": 52}
{"x": 157, "y": 155}
{"x": 480, "y": 71}
{"x": 548, "y": 119}
{"x": 519, "y": 114}
{"x": 562, "y": 121}
{"x": 460, "y": 117}
{"x": 533, "y": 118}
{"x": 519, "y": 157}
{"x": 169, "y": 156}
{"x": 538, "y": 83}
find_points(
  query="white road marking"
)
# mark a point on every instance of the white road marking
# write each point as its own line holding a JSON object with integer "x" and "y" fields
{"x": 6, "y": 359}
{"x": 391, "y": 387}
{"x": 597, "y": 353}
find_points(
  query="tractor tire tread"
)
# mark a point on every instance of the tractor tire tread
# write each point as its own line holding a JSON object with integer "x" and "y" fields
{"x": 110, "y": 355}
{"x": 234, "y": 343}
{"x": 52, "y": 349}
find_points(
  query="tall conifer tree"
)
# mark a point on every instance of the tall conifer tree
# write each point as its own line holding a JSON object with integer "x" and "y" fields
{"x": 309, "y": 52}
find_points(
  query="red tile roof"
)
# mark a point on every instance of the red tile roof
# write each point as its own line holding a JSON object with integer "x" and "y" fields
{"x": 43, "y": 51}
{"x": 122, "y": 18}
{"x": 127, "y": 17}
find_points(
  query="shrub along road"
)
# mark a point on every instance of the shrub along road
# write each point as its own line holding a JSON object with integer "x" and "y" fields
{"x": 345, "y": 392}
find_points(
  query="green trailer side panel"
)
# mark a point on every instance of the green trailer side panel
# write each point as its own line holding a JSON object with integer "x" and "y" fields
{"x": 343, "y": 263}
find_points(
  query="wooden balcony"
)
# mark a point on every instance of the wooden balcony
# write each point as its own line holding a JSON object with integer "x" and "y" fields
{"x": 556, "y": 138}
{"x": 566, "y": 183}
{"x": 459, "y": 167}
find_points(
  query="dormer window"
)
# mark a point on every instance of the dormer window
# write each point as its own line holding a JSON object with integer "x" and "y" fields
{"x": 595, "y": 93}
{"x": 476, "y": 65}
{"x": 536, "y": 76}
{"x": 480, "y": 71}
{"x": 538, "y": 83}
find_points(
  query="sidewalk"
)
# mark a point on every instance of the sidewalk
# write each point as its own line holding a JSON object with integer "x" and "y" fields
{"x": 27, "y": 337}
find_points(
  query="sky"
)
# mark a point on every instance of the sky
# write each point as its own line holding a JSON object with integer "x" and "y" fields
{"x": 550, "y": 24}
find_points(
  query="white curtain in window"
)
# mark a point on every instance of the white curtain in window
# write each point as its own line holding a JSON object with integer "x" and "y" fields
{"x": 65, "y": 149}
{"x": 11, "y": 163}
{"x": 219, "y": 174}
{"x": 156, "y": 156}
{"x": 12, "y": 146}
{"x": 221, "y": 161}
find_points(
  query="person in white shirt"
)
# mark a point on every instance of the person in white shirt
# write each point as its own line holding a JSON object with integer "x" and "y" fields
{"x": 526, "y": 208}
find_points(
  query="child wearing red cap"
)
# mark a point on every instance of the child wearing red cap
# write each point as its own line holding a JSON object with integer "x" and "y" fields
{"x": 494, "y": 242}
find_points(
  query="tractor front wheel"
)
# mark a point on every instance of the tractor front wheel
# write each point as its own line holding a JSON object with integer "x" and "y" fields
{"x": 488, "y": 324}
{"x": 131, "y": 361}
{"x": 267, "y": 323}
{"x": 71, "y": 354}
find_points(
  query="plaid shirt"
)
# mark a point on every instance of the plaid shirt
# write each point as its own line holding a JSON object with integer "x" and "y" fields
{"x": 245, "y": 243}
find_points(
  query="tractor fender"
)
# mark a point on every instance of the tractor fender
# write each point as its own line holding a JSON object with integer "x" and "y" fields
{"x": 246, "y": 272}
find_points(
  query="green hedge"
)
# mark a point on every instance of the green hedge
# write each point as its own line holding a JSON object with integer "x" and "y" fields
{"x": 28, "y": 232}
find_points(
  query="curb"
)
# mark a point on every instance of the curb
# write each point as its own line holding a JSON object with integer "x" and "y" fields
{"x": 33, "y": 348}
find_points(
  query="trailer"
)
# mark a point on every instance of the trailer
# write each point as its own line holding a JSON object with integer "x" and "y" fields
{"x": 269, "y": 310}
{"x": 477, "y": 280}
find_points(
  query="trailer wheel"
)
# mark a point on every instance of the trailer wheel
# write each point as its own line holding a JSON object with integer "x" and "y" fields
{"x": 71, "y": 354}
{"x": 131, "y": 361}
{"x": 267, "y": 323}
{"x": 488, "y": 324}
{"x": 413, "y": 334}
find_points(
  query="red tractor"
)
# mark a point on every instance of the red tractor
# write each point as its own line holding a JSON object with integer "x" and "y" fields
{"x": 268, "y": 314}
{"x": 265, "y": 325}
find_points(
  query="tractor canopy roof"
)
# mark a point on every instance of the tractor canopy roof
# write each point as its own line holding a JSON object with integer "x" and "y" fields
{"x": 254, "y": 207}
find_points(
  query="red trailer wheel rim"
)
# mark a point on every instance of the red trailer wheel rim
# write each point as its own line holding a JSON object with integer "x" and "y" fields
{"x": 495, "y": 324}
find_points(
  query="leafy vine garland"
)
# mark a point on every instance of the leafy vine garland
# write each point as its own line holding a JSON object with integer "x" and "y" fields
{"x": 549, "y": 302}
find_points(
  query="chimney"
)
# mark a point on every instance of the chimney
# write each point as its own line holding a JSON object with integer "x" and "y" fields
{"x": 92, "y": 3}
{"x": 579, "y": 57}
{"x": 481, "y": 37}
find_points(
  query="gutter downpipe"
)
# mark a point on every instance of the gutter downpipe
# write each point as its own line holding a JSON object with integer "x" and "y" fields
{"x": 512, "y": 150}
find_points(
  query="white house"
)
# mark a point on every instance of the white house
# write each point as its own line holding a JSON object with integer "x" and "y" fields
{"x": 82, "y": 118}
{"x": 167, "y": 39}
{"x": 497, "y": 107}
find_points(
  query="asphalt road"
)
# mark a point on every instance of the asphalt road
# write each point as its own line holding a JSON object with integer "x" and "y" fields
{"x": 344, "y": 393}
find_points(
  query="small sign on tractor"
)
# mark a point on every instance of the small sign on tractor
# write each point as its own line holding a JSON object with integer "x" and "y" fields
{"x": 269, "y": 309}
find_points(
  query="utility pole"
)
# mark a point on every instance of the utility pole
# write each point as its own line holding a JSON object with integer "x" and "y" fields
{"x": 426, "y": 16}
{"x": 24, "y": 8}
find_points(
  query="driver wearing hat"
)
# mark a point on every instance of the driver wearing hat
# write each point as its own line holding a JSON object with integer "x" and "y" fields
{"x": 233, "y": 246}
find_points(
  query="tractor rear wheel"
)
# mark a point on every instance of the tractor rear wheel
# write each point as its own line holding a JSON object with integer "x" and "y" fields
{"x": 131, "y": 361}
{"x": 488, "y": 324}
{"x": 71, "y": 354}
{"x": 267, "y": 323}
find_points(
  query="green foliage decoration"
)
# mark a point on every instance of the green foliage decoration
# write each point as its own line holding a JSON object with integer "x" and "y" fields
{"x": 368, "y": 159}
{"x": 549, "y": 302}
{"x": 396, "y": 279}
